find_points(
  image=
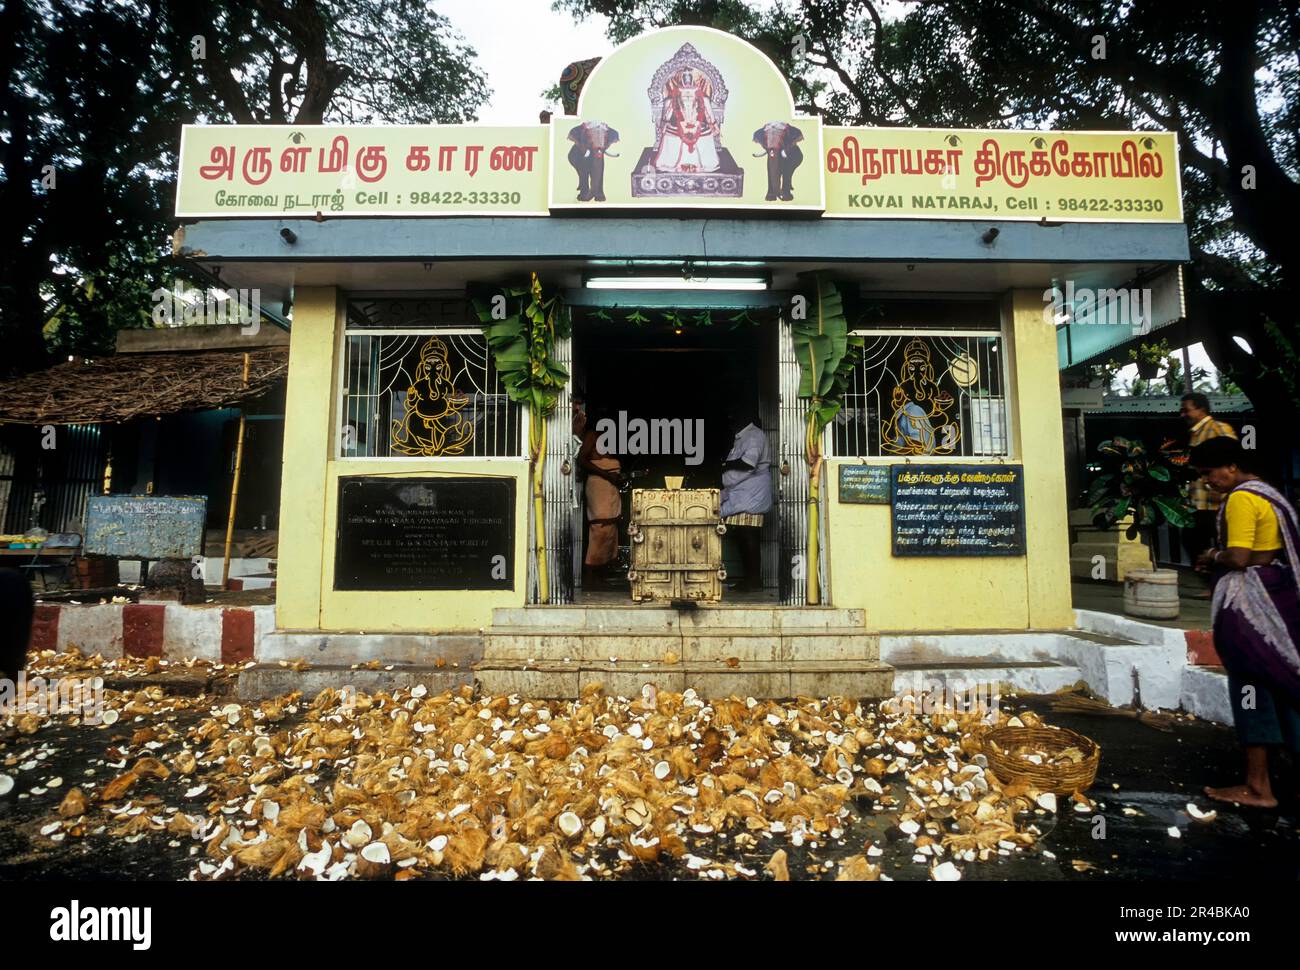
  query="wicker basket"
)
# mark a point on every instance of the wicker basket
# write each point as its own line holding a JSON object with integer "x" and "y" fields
{"x": 1062, "y": 779}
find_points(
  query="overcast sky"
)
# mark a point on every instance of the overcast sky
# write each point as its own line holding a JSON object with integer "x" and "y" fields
{"x": 523, "y": 46}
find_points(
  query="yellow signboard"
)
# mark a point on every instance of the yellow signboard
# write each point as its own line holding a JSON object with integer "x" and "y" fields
{"x": 1057, "y": 176}
{"x": 686, "y": 117}
{"x": 680, "y": 118}
{"x": 379, "y": 170}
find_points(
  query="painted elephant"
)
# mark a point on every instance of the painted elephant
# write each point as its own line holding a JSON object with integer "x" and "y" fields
{"x": 591, "y": 141}
{"x": 780, "y": 143}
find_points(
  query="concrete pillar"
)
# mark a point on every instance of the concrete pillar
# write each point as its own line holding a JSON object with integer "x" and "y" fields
{"x": 1037, "y": 421}
{"x": 308, "y": 422}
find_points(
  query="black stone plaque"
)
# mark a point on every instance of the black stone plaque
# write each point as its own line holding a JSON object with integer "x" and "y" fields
{"x": 958, "y": 510}
{"x": 864, "y": 484}
{"x": 425, "y": 533}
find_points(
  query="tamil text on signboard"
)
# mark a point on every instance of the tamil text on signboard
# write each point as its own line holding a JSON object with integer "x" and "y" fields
{"x": 425, "y": 533}
{"x": 302, "y": 170}
{"x": 958, "y": 510}
{"x": 864, "y": 484}
{"x": 1070, "y": 176}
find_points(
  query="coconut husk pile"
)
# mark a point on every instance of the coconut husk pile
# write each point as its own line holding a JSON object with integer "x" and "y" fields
{"x": 142, "y": 717}
{"x": 404, "y": 784}
{"x": 122, "y": 699}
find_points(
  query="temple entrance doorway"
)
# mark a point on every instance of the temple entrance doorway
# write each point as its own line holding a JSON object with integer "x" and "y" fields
{"x": 665, "y": 388}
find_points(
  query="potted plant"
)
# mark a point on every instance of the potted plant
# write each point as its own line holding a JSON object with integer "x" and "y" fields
{"x": 1145, "y": 487}
{"x": 1150, "y": 357}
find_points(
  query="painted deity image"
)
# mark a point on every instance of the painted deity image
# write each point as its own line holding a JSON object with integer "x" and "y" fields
{"x": 432, "y": 423}
{"x": 688, "y": 103}
{"x": 920, "y": 423}
{"x": 688, "y": 133}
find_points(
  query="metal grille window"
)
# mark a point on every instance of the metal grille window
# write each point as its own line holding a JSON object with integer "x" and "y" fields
{"x": 48, "y": 487}
{"x": 429, "y": 391}
{"x": 925, "y": 394}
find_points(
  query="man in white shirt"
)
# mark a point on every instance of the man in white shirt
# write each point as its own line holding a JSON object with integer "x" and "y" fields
{"x": 747, "y": 494}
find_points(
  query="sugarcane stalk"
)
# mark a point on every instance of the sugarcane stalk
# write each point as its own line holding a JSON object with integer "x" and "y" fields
{"x": 814, "y": 459}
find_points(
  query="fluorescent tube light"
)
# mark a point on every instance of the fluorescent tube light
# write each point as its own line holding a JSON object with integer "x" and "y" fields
{"x": 676, "y": 283}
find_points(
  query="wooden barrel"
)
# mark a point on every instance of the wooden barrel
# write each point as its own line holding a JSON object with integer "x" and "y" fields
{"x": 1152, "y": 594}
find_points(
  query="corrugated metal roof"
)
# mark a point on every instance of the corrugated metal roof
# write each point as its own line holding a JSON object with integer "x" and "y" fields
{"x": 1167, "y": 404}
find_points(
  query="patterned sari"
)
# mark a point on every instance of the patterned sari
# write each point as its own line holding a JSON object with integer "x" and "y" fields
{"x": 1256, "y": 610}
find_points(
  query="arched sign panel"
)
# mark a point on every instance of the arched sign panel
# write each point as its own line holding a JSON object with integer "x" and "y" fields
{"x": 686, "y": 117}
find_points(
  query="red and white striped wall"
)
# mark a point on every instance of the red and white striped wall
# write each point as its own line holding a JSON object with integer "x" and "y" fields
{"x": 221, "y": 634}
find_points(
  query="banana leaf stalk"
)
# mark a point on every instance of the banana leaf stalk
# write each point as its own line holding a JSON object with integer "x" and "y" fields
{"x": 522, "y": 340}
{"x": 827, "y": 355}
{"x": 537, "y": 455}
{"x": 1143, "y": 485}
{"x": 814, "y": 458}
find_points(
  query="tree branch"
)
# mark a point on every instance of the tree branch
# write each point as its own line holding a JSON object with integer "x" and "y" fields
{"x": 303, "y": 25}
{"x": 877, "y": 60}
{"x": 829, "y": 61}
{"x": 198, "y": 18}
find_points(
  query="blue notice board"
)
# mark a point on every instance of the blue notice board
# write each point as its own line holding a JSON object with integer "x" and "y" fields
{"x": 146, "y": 526}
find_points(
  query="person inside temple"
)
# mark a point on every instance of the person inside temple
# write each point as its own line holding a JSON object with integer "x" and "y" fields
{"x": 747, "y": 494}
{"x": 604, "y": 501}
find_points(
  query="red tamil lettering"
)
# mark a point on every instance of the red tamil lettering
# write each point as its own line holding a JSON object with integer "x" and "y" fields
{"x": 871, "y": 165}
{"x": 472, "y": 153}
{"x": 988, "y": 162}
{"x": 372, "y": 164}
{"x": 294, "y": 159}
{"x": 257, "y": 165}
{"x": 1014, "y": 170}
{"x": 338, "y": 156}
{"x": 417, "y": 159}
{"x": 223, "y": 163}
{"x": 512, "y": 158}
{"x": 1061, "y": 158}
{"x": 845, "y": 158}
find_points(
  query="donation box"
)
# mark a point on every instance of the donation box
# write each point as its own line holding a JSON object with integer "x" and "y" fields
{"x": 676, "y": 545}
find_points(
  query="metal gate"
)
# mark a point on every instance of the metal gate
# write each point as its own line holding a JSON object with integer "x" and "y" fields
{"x": 775, "y": 572}
{"x": 560, "y": 497}
{"x": 792, "y": 483}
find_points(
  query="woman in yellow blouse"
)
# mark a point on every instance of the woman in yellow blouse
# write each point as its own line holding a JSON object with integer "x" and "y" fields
{"x": 1256, "y": 612}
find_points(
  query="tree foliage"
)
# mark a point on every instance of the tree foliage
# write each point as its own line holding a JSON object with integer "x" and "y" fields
{"x": 93, "y": 100}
